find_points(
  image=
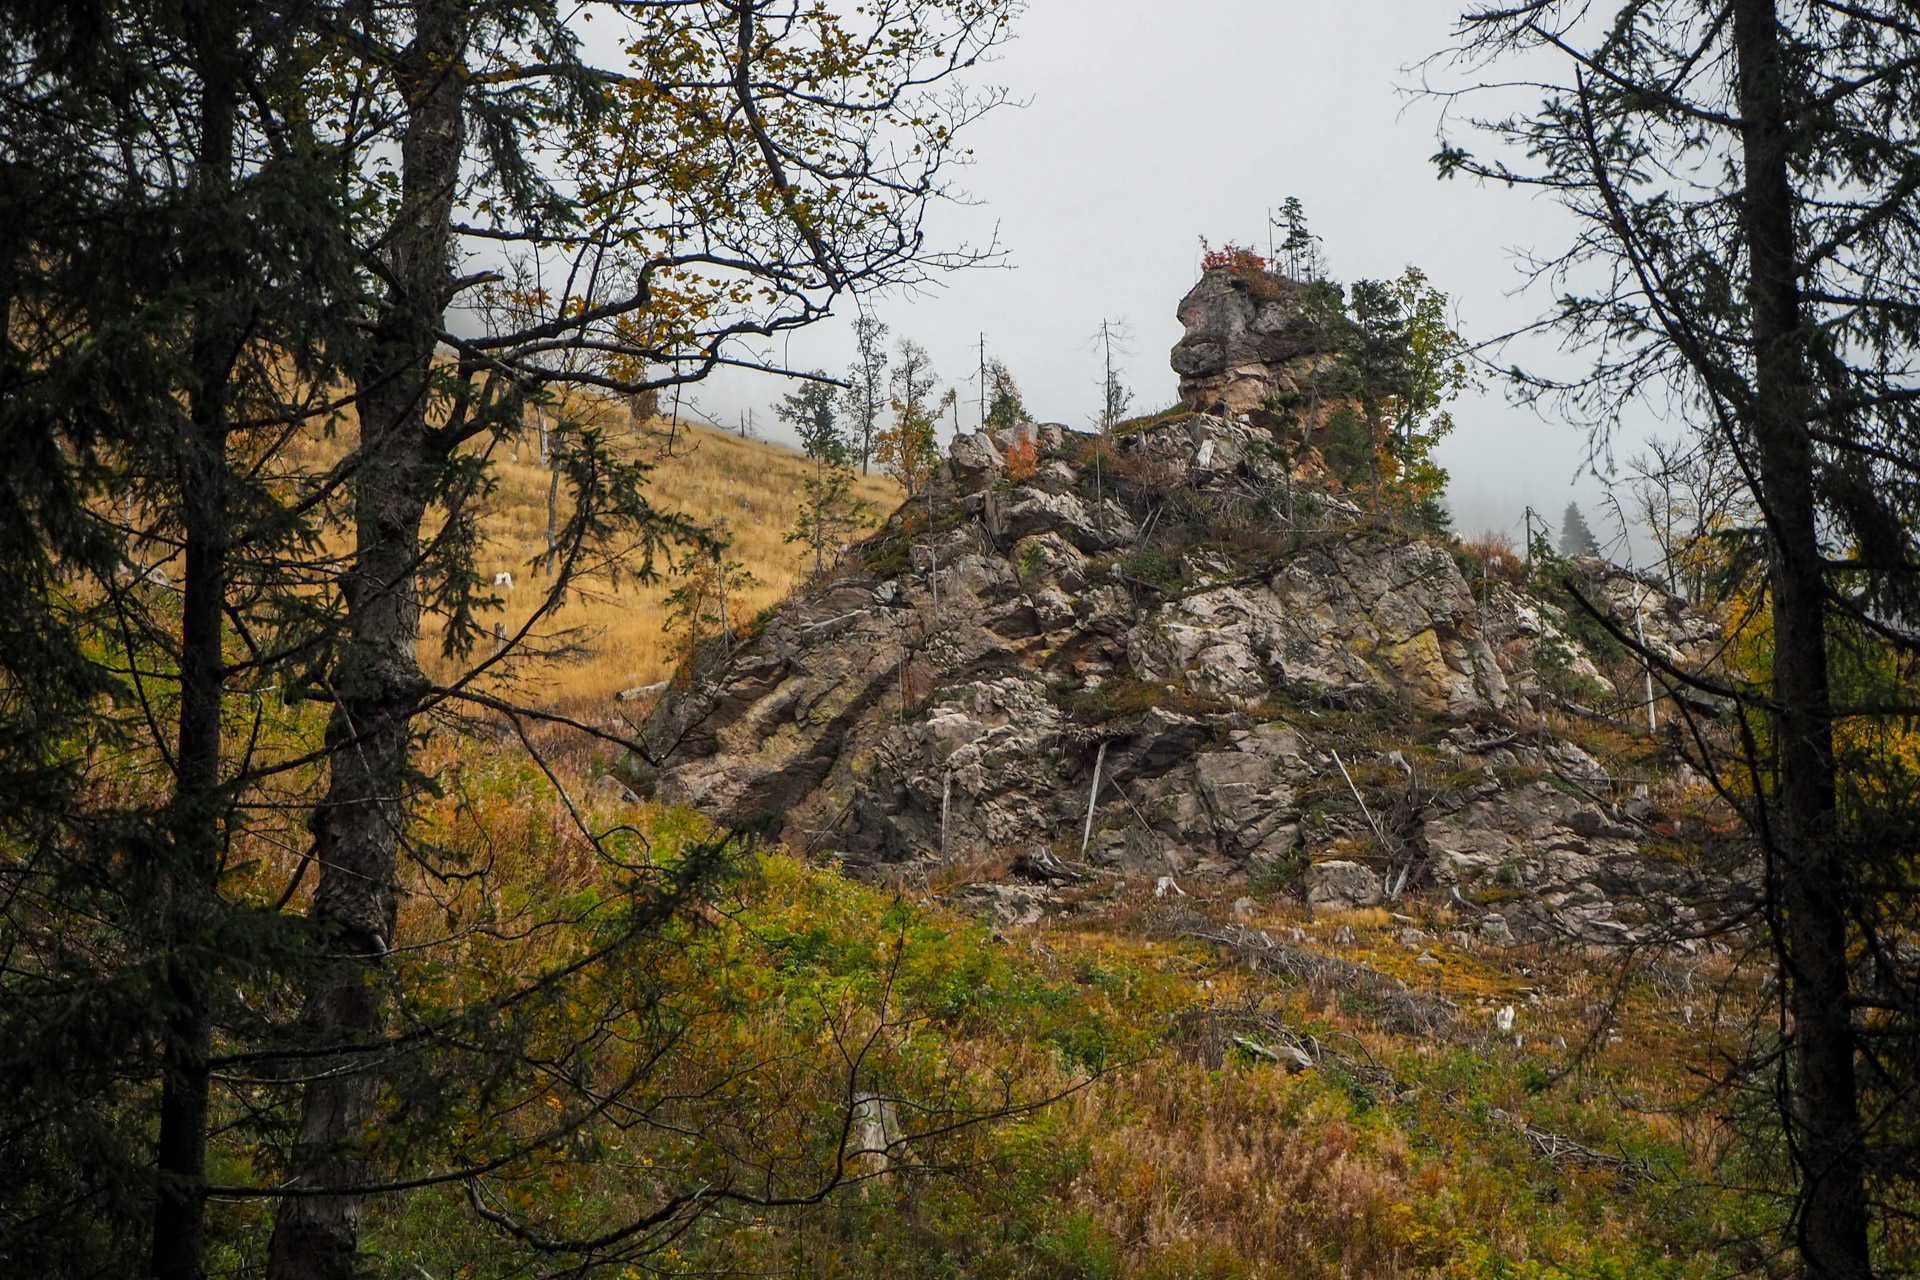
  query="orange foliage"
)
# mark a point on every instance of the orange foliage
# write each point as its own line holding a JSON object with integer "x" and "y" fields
{"x": 1023, "y": 456}
{"x": 1497, "y": 556}
{"x": 1238, "y": 259}
{"x": 1244, "y": 263}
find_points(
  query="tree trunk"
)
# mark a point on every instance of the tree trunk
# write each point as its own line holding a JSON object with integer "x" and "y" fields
{"x": 379, "y": 683}
{"x": 553, "y": 516}
{"x": 821, "y": 475}
{"x": 1809, "y": 874}
{"x": 178, "y": 1244}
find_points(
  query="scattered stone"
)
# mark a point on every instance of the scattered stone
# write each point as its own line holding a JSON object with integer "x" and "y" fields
{"x": 1293, "y": 1058}
{"x": 1011, "y": 904}
{"x": 1426, "y": 957}
{"x": 615, "y": 788}
{"x": 1341, "y": 886}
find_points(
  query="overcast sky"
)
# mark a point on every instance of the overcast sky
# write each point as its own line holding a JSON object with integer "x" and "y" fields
{"x": 1149, "y": 124}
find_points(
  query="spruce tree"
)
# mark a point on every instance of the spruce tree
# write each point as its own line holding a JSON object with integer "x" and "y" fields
{"x": 205, "y": 261}
{"x": 1746, "y": 179}
{"x": 1576, "y": 539}
{"x": 1005, "y": 408}
{"x": 177, "y": 277}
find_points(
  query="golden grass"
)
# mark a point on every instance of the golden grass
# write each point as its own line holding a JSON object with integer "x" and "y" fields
{"x": 1242, "y": 1170}
{"x": 1254, "y": 1172}
{"x": 750, "y": 489}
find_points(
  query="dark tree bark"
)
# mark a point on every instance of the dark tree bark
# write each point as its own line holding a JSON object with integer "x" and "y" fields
{"x": 1781, "y": 299}
{"x": 378, "y": 685}
{"x": 1807, "y": 869}
{"x": 195, "y": 821}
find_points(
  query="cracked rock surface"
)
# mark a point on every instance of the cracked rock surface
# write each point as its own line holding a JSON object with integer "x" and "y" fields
{"x": 960, "y": 695}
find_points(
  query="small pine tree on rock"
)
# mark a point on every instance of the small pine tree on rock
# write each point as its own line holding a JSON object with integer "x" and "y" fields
{"x": 1576, "y": 539}
{"x": 1005, "y": 407}
{"x": 829, "y": 513}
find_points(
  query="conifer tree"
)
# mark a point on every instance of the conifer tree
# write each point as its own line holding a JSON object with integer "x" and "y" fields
{"x": 1746, "y": 182}
{"x": 228, "y": 224}
{"x": 1576, "y": 539}
{"x": 1005, "y": 408}
{"x": 1300, "y": 250}
{"x": 828, "y": 511}
{"x": 1401, "y": 364}
{"x": 171, "y": 321}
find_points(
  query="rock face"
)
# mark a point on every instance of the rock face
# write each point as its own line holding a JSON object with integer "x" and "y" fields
{"x": 1532, "y": 636}
{"x": 961, "y": 706}
{"x": 1338, "y": 885}
{"x": 1549, "y": 864}
{"x": 1351, "y": 620}
{"x": 1115, "y": 628}
{"x": 1246, "y": 340}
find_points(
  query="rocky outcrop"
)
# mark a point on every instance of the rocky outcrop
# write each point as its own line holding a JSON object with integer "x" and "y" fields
{"x": 1247, "y": 338}
{"x": 1349, "y": 620}
{"x": 1110, "y": 662}
{"x": 962, "y": 705}
{"x": 1542, "y": 862}
{"x": 1534, "y": 639}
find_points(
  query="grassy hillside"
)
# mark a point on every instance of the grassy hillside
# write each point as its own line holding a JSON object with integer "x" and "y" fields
{"x": 750, "y": 490}
{"x": 1337, "y": 1109}
{"x": 1186, "y": 1138}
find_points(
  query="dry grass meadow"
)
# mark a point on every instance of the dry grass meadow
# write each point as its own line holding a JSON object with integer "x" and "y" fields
{"x": 750, "y": 489}
{"x": 613, "y": 637}
{"x": 1179, "y": 1148}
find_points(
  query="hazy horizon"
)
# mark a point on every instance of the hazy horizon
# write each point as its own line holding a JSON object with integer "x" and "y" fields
{"x": 1146, "y": 128}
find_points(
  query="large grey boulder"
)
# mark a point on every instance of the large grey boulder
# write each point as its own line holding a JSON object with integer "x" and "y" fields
{"x": 974, "y": 458}
{"x": 1352, "y": 620}
{"x": 1555, "y": 866}
{"x": 1247, "y": 338}
{"x": 1338, "y": 885}
{"x": 1033, "y": 510}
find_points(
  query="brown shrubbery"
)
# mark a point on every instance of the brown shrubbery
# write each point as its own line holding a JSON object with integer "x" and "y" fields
{"x": 1245, "y": 264}
{"x": 1494, "y": 555}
